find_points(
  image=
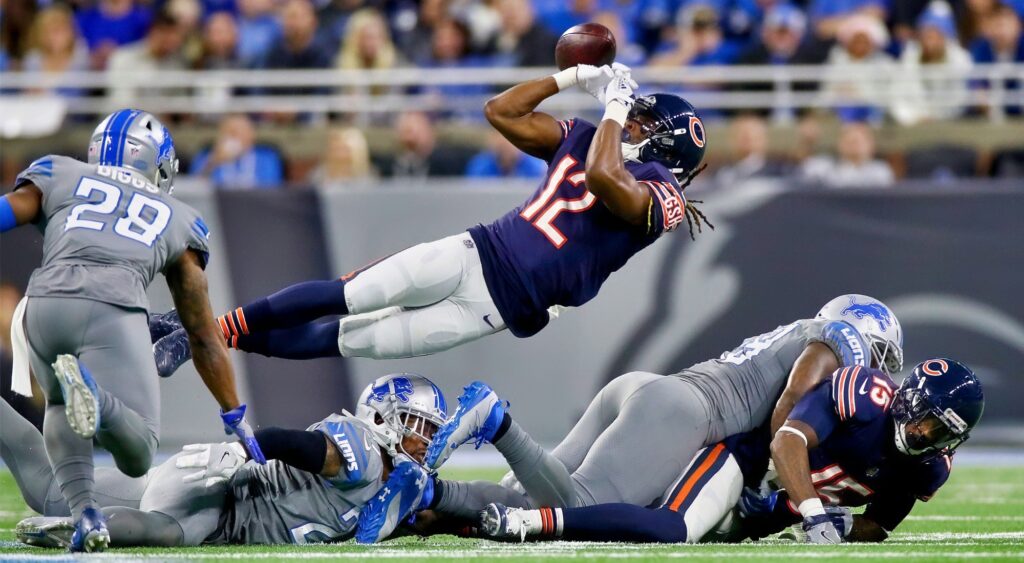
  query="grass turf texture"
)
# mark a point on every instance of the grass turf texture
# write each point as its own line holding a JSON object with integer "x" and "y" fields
{"x": 978, "y": 515}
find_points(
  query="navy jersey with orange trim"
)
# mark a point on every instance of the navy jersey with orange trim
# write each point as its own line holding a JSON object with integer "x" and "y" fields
{"x": 560, "y": 246}
{"x": 856, "y": 461}
{"x": 856, "y": 457}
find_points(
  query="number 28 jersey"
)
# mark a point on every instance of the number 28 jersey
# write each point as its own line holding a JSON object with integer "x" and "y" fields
{"x": 107, "y": 231}
{"x": 560, "y": 246}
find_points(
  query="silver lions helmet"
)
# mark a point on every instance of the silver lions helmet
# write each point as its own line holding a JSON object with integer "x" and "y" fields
{"x": 131, "y": 138}
{"x": 399, "y": 405}
{"x": 875, "y": 322}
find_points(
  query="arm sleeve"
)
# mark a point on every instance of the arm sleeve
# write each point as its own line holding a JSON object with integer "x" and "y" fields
{"x": 889, "y": 510}
{"x": 817, "y": 410}
{"x": 361, "y": 462}
{"x": 301, "y": 449}
{"x": 845, "y": 342}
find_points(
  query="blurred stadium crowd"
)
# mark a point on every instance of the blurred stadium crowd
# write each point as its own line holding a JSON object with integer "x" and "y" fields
{"x": 930, "y": 44}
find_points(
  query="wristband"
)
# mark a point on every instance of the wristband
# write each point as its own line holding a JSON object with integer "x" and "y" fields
{"x": 7, "y": 219}
{"x": 617, "y": 112}
{"x": 565, "y": 78}
{"x": 811, "y": 507}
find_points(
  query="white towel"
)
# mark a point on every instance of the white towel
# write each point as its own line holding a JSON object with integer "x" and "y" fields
{"x": 21, "y": 382}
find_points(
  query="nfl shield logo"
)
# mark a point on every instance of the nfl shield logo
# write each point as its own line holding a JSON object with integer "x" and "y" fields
{"x": 134, "y": 151}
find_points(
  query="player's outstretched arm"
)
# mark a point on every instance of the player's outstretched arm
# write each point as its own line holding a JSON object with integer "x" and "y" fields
{"x": 607, "y": 177}
{"x": 512, "y": 114}
{"x": 20, "y": 206}
{"x": 815, "y": 363}
{"x": 187, "y": 282}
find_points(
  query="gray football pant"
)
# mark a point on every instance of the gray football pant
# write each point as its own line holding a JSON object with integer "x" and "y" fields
{"x": 113, "y": 343}
{"x": 633, "y": 441}
{"x": 22, "y": 449}
{"x": 158, "y": 509}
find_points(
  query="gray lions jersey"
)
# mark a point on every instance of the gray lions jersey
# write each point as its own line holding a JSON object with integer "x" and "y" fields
{"x": 107, "y": 231}
{"x": 747, "y": 381}
{"x": 276, "y": 503}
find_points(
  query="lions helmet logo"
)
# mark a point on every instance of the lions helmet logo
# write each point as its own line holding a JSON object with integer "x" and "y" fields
{"x": 402, "y": 389}
{"x": 874, "y": 310}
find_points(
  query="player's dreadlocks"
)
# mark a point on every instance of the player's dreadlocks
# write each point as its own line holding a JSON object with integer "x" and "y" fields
{"x": 694, "y": 215}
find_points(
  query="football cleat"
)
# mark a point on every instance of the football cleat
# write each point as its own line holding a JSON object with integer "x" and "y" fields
{"x": 45, "y": 531}
{"x": 81, "y": 397}
{"x": 400, "y": 496}
{"x": 91, "y": 533}
{"x": 162, "y": 324}
{"x": 499, "y": 522}
{"x": 478, "y": 417}
{"x": 171, "y": 352}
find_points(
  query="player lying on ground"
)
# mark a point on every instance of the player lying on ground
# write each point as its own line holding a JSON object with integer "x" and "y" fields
{"x": 610, "y": 191}
{"x": 642, "y": 429}
{"x": 311, "y": 490}
{"x": 849, "y": 442}
{"x": 109, "y": 227}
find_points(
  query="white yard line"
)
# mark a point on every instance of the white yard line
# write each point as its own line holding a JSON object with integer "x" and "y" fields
{"x": 527, "y": 553}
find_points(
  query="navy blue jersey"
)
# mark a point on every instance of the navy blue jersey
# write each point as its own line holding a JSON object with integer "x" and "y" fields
{"x": 560, "y": 246}
{"x": 856, "y": 457}
{"x": 856, "y": 462}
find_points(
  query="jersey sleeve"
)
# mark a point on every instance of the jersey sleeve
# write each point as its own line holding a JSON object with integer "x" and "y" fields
{"x": 667, "y": 208}
{"x": 361, "y": 461}
{"x": 191, "y": 233}
{"x": 817, "y": 410}
{"x": 40, "y": 173}
{"x": 844, "y": 341}
{"x": 199, "y": 240}
{"x": 860, "y": 394}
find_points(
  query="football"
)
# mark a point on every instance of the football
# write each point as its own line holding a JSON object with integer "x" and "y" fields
{"x": 587, "y": 43}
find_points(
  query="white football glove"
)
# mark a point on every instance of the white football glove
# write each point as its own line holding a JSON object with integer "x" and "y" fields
{"x": 620, "y": 88}
{"x": 216, "y": 462}
{"x": 594, "y": 79}
{"x": 821, "y": 530}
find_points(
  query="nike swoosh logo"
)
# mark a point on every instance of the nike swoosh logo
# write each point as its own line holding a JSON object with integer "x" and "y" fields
{"x": 488, "y": 321}
{"x": 224, "y": 456}
{"x": 863, "y": 390}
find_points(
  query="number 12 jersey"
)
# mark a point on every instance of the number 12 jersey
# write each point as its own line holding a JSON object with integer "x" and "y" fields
{"x": 560, "y": 246}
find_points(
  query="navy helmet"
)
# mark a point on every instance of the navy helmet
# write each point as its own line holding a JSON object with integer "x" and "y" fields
{"x": 946, "y": 390}
{"x": 674, "y": 134}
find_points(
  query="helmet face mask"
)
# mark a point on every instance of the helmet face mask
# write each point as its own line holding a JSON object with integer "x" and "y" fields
{"x": 401, "y": 406}
{"x": 668, "y": 130}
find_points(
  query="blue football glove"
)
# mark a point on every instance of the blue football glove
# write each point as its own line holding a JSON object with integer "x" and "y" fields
{"x": 755, "y": 505}
{"x": 234, "y": 423}
{"x": 821, "y": 530}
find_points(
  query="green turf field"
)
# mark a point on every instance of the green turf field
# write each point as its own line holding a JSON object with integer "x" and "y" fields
{"x": 978, "y": 515}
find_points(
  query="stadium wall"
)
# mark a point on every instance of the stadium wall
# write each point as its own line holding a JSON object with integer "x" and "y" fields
{"x": 947, "y": 260}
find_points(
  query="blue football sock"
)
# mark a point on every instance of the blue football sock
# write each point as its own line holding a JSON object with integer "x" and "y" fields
{"x": 623, "y": 522}
{"x": 292, "y": 306}
{"x": 311, "y": 340}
